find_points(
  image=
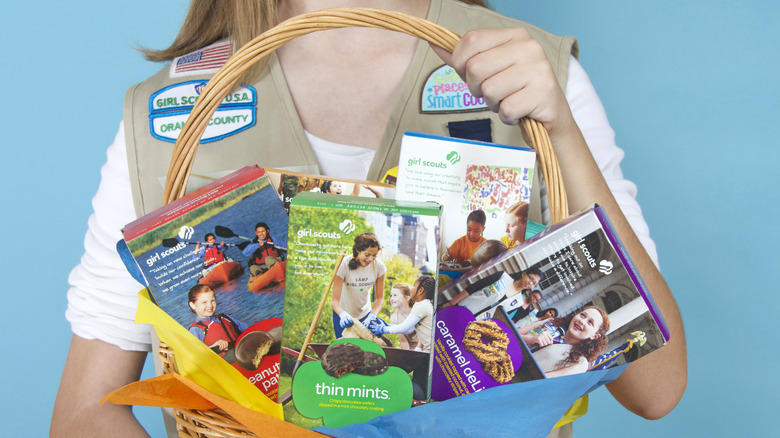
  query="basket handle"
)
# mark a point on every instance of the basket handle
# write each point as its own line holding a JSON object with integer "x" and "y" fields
{"x": 225, "y": 79}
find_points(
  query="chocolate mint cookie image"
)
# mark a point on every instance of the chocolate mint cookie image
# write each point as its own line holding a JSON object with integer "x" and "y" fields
{"x": 374, "y": 364}
{"x": 342, "y": 358}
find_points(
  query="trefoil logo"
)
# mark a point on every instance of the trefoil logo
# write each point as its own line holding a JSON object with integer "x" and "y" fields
{"x": 186, "y": 232}
{"x": 347, "y": 226}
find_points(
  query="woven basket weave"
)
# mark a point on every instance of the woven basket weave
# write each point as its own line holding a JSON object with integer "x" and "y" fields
{"x": 214, "y": 423}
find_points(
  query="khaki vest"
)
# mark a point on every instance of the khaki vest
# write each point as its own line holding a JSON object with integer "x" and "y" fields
{"x": 277, "y": 139}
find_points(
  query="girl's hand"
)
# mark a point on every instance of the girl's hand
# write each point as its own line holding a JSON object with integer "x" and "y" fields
{"x": 510, "y": 70}
{"x": 345, "y": 320}
{"x": 543, "y": 339}
{"x": 370, "y": 317}
{"x": 378, "y": 327}
{"x": 221, "y": 344}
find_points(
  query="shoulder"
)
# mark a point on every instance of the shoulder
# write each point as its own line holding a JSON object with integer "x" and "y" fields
{"x": 460, "y": 241}
{"x": 461, "y": 17}
{"x": 378, "y": 268}
{"x": 178, "y": 83}
{"x": 424, "y": 307}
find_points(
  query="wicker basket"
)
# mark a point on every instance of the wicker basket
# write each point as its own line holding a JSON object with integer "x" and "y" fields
{"x": 215, "y": 423}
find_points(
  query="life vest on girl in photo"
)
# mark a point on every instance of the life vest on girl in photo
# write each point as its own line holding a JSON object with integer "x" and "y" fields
{"x": 266, "y": 250}
{"x": 223, "y": 329}
{"x": 213, "y": 255}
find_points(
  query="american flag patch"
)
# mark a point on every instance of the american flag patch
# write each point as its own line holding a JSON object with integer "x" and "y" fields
{"x": 206, "y": 60}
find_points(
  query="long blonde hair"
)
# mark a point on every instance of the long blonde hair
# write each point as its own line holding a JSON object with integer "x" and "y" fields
{"x": 208, "y": 21}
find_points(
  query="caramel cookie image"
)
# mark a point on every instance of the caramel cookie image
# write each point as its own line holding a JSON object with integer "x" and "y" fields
{"x": 488, "y": 343}
{"x": 502, "y": 370}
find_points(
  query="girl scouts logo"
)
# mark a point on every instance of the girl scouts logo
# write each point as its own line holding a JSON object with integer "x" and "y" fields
{"x": 445, "y": 92}
{"x": 347, "y": 226}
{"x": 186, "y": 232}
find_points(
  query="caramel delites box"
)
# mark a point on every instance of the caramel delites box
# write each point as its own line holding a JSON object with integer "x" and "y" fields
{"x": 566, "y": 301}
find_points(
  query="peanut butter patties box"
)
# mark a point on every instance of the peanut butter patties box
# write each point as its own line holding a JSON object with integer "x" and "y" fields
{"x": 214, "y": 261}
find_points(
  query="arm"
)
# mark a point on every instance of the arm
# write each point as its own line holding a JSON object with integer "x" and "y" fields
{"x": 510, "y": 70}
{"x": 355, "y": 190}
{"x": 405, "y": 327}
{"x": 458, "y": 298}
{"x": 374, "y": 191}
{"x": 472, "y": 288}
{"x": 338, "y": 284}
{"x": 250, "y": 249}
{"x": 379, "y": 291}
{"x": 569, "y": 370}
{"x": 345, "y": 319}
{"x": 101, "y": 309}
{"x": 543, "y": 339}
{"x": 447, "y": 256}
{"x": 198, "y": 333}
{"x": 93, "y": 369}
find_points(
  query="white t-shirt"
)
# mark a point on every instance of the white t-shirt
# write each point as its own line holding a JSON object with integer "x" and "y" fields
{"x": 490, "y": 294}
{"x": 548, "y": 357}
{"x": 356, "y": 290}
{"x": 103, "y": 297}
{"x": 424, "y": 327}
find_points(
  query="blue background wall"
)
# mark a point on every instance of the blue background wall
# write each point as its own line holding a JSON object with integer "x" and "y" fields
{"x": 690, "y": 88}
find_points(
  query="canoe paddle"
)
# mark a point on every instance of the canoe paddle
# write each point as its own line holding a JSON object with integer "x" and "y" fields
{"x": 317, "y": 315}
{"x": 227, "y": 232}
{"x": 171, "y": 242}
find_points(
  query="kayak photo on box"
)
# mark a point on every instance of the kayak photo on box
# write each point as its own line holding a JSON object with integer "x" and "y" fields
{"x": 358, "y": 315}
{"x": 566, "y": 301}
{"x": 215, "y": 261}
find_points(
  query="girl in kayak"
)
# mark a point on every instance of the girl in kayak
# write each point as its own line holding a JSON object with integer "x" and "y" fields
{"x": 212, "y": 253}
{"x": 262, "y": 252}
{"x": 218, "y": 331}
